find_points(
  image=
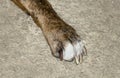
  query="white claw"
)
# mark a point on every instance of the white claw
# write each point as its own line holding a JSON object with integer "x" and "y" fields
{"x": 84, "y": 51}
{"x": 77, "y": 60}
{"x": 81, "y": 58}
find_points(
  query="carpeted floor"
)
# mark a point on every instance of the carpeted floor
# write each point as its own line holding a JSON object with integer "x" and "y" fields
{"x": 24, "y": 52}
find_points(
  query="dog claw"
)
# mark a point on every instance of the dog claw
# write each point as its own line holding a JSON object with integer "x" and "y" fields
{"x": 81, "y": 58}
{"x": 77, "y": 60}
{"x": 84, "y": 51}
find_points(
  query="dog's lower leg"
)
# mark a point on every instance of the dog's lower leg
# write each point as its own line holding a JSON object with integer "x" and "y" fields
{"x": 64, "y": 42}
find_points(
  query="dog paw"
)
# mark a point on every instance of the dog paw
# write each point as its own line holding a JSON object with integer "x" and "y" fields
{"x": 75, "y": 51}
{"x": 66, "y": 44}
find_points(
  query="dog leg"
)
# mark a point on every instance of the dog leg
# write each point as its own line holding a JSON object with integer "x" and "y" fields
{"x": 63, "y": 40}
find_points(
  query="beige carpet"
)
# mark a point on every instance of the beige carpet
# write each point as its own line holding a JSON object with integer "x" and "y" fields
{"x": 24, "y": 52}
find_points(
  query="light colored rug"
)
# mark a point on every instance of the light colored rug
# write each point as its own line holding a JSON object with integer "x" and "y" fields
{"x": 24, "y": 52}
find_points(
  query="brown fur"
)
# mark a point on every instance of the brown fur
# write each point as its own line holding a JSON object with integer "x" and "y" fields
{"x": 55, "y": 30}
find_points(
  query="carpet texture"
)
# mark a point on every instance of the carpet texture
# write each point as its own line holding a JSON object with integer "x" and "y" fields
{"x": 24, "y": 52}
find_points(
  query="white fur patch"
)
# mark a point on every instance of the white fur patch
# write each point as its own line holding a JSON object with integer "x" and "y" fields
{"x": 68, "y": 53}
{"x": 78, "y": 48}
{"x": 72, "y": 50}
